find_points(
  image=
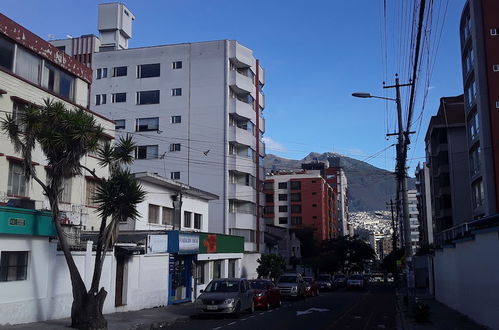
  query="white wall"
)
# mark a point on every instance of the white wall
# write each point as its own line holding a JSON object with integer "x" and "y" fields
{"x": 46, "y": 294}
{"x": 249, "y": 265}
{"x": 467, "y": 280}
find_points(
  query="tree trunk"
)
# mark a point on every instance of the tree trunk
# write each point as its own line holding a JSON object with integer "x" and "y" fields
{"x": 86, "y": 311}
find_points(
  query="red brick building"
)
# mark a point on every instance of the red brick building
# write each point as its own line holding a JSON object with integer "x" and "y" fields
{"x": 298, "y": 200}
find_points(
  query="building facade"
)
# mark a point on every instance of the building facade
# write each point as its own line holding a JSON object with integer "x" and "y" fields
{"x": 413, "y": 218}
{"x": 31, "y": 71}
{"x": 423, "y": 195}
{"x": 479, "y": 31}
{"x": 447, "y": 160}
{"x": 299, "y": 200}
{"x": 195, "y": 111}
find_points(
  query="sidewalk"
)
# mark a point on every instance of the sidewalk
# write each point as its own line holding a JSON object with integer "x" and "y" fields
{"x": 152, "y": 318}
{"x": 441, "y": 316}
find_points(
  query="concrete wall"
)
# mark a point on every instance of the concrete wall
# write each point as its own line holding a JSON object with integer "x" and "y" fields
{"x": 249, "y": 265}
{"x": 46, "y": 294}
{"x": 466, "y": 278}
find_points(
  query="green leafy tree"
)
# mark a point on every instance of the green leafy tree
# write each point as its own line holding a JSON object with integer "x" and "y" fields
{"x": 65, "y": 136}
{"x": 346, "y": 253}
{"x": 271, "y": 266}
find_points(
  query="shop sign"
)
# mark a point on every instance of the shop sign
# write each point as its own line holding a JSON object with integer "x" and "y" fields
{"x": 157, "y": 243}
{"x": 188, "y": 243}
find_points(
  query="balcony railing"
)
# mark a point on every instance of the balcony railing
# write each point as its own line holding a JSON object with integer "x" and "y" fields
{"x": 464, "y": 230}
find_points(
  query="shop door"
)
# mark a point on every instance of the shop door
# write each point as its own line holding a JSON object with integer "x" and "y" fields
{"x": 181, "y": 284}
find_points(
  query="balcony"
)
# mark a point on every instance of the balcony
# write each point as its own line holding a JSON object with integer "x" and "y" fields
{"x": 242, "y": 192}
{"x": 262, "y": 100}
{"x": 241, "y": 136}
{"x": 242, "y": 221}
{"x": 262, "y": 148}
{"x": 242, "y": 109}
{"x": 241, "y": 164}
{"x": 261, "y": 75}
{"x": 261, "y": 123}
{"x": 240, "y": 83}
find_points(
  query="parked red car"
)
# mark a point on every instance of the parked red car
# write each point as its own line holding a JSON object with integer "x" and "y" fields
{"x": 266, "y": 294}
{"x": 311, "y": 287}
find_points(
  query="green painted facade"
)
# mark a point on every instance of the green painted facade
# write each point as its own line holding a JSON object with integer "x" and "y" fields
{"x": 218, "y": 243}
{"x": 26, "y": 222}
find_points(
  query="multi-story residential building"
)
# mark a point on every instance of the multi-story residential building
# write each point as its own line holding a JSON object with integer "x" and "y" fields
{"x": 413, "y": 218}
{"x": 423, "y": 195}
{"x": 194, "y": 109}
{"x": 479, "y": 30}
{"x": 335, "y": 176}
{"x": 298, "y": 200}
{"x": 447, "y": 160}
{"x": 32, "y": 70}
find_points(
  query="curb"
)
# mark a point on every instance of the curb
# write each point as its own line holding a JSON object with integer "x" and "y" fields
{"x": 159, "y": 324}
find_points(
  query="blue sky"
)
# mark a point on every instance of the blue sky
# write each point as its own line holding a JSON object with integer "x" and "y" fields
{"x": 315, "y": 53}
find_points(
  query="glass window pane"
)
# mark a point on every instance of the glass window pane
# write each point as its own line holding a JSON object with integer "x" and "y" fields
{"x": 28, "y": 65}
{"x": 6, "y": 53}
{"x": 149, "y": 70}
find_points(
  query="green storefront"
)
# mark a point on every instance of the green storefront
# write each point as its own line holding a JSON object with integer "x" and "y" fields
{"x": 17, "y": 221}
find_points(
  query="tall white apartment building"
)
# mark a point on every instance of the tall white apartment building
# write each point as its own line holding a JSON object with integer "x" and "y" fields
{"x": 194, "y": 110}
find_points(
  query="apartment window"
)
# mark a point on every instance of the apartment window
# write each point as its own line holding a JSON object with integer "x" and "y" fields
{"x": 283, "y": 208}
{"x": 28, "y": 65}
{"x": 118, "y": 97}
{"x": 175, "y": 175}
{"x": 475, "y": 160}
{"x": 18, "y": 112}
{"x": 283, "y": 185}
{"x": 283, "y": 220}
{"x": 120, "y": 71}
{"x": 495, "y": 67}
{"x": 90, "y": 193}
{"x": 177, "y": 65}
{"x": 314, "y": 193}
{"x": 100, "y": 99}
{"x": 268, "y": 210}
{"x": 6, "y": 53}
{"x": 197, "y": 220}
{"x": 269, "y": 198}
{"x": 101, "y": 73}
{"x": 65, "y": 195}
{"x": 146, "y": 152}
{"x": 468, "y": 62}
{"x": 147, "y": 124}
{"x": 474, "y": 126}
{"x": 167, "y": 216}
{"x": 187, "y": 219}
{"x": 57, "y": 81}
{"x": 119, "y": 124}
{"x": 494, "y": 32}
{"x": 153, "y": 215}
{"x": 268, "y": 186}
{"x": 176, "y": 119}
{"x": 17, "y": 180}
{"x": 148, "y": 97}
{"x": 295, "y": 208}
{"x": 497, "y": 104}
{"x": 296, "y": 221}
{"x": 295, "y": 185}
{"x": 176, "y": 91}
{"x": 470, "y": 93}
{"x": 314, "y": 205}
{"x": 13, "y": 266}
{"x": 296, "y": 197}
{"x": 283, "y": 197}
{"x": 175, "y": 147}
{"x": 478, "y": 195}
{"x": 248, "y": 234}
{"x": 148, "y": 70}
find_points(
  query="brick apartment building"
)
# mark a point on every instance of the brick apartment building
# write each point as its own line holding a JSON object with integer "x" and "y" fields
{"x": 299, "y": 200}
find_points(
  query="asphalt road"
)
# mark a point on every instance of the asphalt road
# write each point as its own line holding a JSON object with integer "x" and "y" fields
{"x": 373, "y": 308}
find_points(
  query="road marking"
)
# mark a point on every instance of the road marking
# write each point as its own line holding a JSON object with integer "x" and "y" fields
{"x": 357, "y": 317}
{"x": 232, "y": 323}
{"x": 217, "y": 328}
{"x": 244, "y": 319}
{"x": 311, "y": 310}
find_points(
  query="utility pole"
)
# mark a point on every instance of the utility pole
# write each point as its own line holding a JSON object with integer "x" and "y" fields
{"x": 394, "y": 240}
{"x": 401, "y": 171}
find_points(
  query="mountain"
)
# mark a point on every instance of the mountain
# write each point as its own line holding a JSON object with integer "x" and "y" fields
{"x": 369, "y": 187}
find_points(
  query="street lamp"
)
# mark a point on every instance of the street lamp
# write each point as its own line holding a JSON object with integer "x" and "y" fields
{"x": 369, "y": 96}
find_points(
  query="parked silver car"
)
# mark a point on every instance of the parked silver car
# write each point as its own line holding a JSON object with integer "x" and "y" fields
{"x": 225, "y": 296}
{"x": 291, "y": 285}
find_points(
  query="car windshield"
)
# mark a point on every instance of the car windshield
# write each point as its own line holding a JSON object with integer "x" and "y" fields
{"x": 222, "y": 286}
{"x": 355, "y": 277}
{"x": 259, "y": 284}
{"x": 308, "y": 279}
{"x": 324, "y": 277}
{"x": 287, "y": 279}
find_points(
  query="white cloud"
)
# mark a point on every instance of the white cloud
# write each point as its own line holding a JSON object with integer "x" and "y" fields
{"x": 273, "y": 145}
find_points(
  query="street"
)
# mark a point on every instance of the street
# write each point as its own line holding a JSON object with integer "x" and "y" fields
{"x": 340, "y": 309}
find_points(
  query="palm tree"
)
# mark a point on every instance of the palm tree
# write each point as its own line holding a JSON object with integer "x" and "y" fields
{"x": 65, "y": 136}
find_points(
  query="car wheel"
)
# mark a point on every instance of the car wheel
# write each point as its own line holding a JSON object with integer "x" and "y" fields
{"x": 251, "y": 310}
{"x": 268, "y": 306}
{"x": 237, "y": 310}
